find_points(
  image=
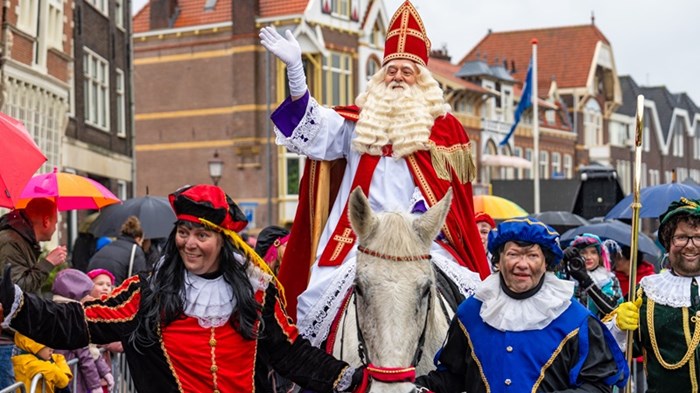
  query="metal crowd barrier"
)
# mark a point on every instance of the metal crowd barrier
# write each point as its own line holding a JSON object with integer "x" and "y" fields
{"x": 120, "y": 371}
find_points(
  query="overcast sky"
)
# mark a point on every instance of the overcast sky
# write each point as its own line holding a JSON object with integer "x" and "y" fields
{"x": 656, "y": 42}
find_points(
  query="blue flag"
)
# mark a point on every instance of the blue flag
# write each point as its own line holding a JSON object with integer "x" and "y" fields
{"x": 525, "y": 102}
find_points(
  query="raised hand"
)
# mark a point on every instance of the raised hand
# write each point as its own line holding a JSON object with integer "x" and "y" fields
{"x": 289, "y": 52}
{"x": 628, "y": 315}
{"x": 286, "y": 49}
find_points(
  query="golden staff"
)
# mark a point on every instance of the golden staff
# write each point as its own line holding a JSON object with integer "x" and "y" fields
{"x": 636, "y": 206}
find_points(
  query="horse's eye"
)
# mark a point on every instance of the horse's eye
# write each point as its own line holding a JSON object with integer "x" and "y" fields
{"x": 425, "y": 292}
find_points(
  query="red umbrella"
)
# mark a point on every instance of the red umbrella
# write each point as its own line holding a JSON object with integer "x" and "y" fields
{"x": 21, "y": 158}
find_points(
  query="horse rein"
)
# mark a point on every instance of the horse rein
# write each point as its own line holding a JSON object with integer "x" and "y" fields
{"x": 391, "y": 374}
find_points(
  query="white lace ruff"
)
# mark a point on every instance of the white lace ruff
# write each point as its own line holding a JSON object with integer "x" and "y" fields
{"x": 668, "y": 289}
{"x": 466, "y": 280}
{"x": 306, "y": 130}
{"x": 317, "y": 324}
{"x": 15, "y": 306}
{"x": 600, "y": 276}
{"x": 536, "y": 312}
{"x": 210, "y": 301}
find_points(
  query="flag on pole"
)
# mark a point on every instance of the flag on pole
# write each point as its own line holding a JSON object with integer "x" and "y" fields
{"x": 525, "y": 102}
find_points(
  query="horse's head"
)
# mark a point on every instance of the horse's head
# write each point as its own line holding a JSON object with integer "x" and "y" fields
{"x": 394, "y": 282}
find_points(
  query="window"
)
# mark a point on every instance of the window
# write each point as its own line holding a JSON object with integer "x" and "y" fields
{"x": 668, "y": 176}
{"x": 556, "y": 165}
{"x": 654, "y": 177}
{"x": 592, "y": 124}
{"x": 340, "y": 8}
{"x": 646, "y": 134}
{"x": 96, "y": 90}
{"x": 527, "y": 173}
{"x": 100, "y": 5}
{"x": 373, "y": 66}
{"x": 376, "y": 37}
{"x": 119, "y": 13}
{"x": 121, "y": 104}
{"x": 678, "y": 136}
{"x": 337, "y": 79}
{"x": 696, "y": 146}
{"x": 544, "y": 165}
{"x": 624, "y": 175}
{"x": 295, "y": 168}
{"x": 121, "y": 190}
{"x": 682, "y": 174}
{"x": 568, "y": 166}
{"x": 518, "y": 152}
{"x": 28, "y": 16}
{"x": 43, "y": 115}
{"x": 54, "y": 20}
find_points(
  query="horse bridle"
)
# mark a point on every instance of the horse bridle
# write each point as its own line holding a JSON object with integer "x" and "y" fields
{"x": 391, "y": 374}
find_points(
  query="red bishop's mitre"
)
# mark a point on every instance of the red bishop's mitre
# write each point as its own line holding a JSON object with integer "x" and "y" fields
{"x": 406, "y": 37}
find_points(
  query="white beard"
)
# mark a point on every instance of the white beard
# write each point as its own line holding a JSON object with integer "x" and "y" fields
{"x": 402, "y": 117}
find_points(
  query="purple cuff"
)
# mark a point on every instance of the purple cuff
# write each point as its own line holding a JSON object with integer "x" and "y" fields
{"x": 289, "y": 114}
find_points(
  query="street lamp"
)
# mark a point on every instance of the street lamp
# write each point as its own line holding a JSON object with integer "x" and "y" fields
{"x": 216, "y": 168}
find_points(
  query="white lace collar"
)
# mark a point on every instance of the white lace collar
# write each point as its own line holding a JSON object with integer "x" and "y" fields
{"x": 536, "y": 312}
{"x": 668, "y": 289}
{"x": 211, "y": 301}
{"x": 600, "y": 276}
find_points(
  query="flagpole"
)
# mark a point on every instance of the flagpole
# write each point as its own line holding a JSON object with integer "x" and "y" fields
{"x": 535, "y": 130}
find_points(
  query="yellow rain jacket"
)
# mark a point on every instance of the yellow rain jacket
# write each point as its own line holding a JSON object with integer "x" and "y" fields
{"x": 56, "y": 371}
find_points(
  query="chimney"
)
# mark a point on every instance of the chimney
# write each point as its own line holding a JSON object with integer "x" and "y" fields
{"x": 441, "y": 53}
{"x": 163, "y": 14}
{"x": 244, "y": 15}
{"x": 512, "y": 67}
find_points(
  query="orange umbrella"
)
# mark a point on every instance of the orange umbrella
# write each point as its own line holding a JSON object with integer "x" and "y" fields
{"x": 497, "y": 207}
{"x": 69, "y": 191}
{"x": 21, "y": 158}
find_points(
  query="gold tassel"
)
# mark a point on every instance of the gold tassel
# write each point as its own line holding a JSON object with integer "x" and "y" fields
{"x": 239, "y": 243}
{"x": 456, "y": 157}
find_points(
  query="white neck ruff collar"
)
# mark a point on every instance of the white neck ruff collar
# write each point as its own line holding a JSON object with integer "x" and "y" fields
{"x": 211, "y": 301}
{"x": 504, "y": 313}
{"x": 668, "y": 289}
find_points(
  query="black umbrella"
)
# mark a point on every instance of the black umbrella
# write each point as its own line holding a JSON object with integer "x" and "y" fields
{"x": 654, "y": 200}
{"x": 155, "y": 213}
{"x": 561, "y": 220}
{"x": 615, "y": 230}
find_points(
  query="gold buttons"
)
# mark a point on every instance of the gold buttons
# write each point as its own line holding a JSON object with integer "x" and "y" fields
{"x": 509, "y": 348}
{"x": 212, "y": 343}
{"x": 214, "y": 368}
{"x": 216, "y": 391}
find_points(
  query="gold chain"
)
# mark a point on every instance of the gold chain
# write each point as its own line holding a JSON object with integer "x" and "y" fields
{"x": 652, "y": 336}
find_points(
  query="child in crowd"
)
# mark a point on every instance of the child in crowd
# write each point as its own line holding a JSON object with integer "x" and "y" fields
{"x": 104, "y": 284}
{"x": 35, "y": 358}
{"x": 93, "y": 374}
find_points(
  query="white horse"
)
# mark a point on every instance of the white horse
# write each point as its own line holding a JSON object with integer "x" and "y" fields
{"x": 401, "y": 322}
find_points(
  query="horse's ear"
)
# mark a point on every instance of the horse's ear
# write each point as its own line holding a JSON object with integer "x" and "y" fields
{"x": 428, "y": 225}
{"x": 361, "y": 214}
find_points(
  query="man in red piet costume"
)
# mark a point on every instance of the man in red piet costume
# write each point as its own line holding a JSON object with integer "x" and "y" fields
{"x": 399, "y": 143}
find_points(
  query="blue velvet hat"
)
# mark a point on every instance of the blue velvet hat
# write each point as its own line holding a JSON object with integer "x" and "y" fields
{"x": 527, "y": 230}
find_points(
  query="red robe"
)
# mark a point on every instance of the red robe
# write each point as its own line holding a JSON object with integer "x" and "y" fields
{"x": 460, "y": 230}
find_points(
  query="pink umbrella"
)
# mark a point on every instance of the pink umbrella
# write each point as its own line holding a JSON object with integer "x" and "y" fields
{"x": 21, "y": 158}
{"x": 69, "y": 191}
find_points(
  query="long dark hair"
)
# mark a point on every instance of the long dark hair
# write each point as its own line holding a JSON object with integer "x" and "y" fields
{"x": 162, "y": 301}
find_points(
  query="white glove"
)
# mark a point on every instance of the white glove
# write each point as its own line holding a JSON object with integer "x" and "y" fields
{"x": 97, "y": 390}
{"x": 289, "y": 52}
{"x": 110, "y": 381}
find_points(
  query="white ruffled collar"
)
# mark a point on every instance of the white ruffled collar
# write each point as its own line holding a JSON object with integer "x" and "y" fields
{"x": 504, "y": 313}
{"x": 600, "y": 276}
{"x": 669, "y": 289}
{"x": 211, "y": 301}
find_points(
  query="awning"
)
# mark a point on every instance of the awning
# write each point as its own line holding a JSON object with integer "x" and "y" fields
{"x": 505, "y": 161}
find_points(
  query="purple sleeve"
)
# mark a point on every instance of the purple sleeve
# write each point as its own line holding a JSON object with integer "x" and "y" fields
{"x": 289, "y": 114}
{"x": 102, "y": 366}
{"x": 88, "y": 368}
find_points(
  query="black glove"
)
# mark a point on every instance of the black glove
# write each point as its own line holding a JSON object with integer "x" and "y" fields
{"x": 7, "y": 290}
{"x": 357, "y": 380}
{"x": 576, "y": 266}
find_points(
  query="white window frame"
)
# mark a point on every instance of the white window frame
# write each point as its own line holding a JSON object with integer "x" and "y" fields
{"x": 28, "y": 16}
{"x": 100, "y": 5}
{"x": 556, "y": 164}
{"x": 344, "y": 72}
{"x": 122, "y": 192}
{"x": 592, "y": 124}
{"x": 121, "y": 103}
{"x": 119, "y": 14}
{"x": 528, "y": 172}
{"x": 341, "y": 8}
{"x": 544, "y": 165}
{"x": 96, "y": 89}
{"x": 568, "y": 166}
{"x": 54, "y": 30}
{"x": 678, "y": 137}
